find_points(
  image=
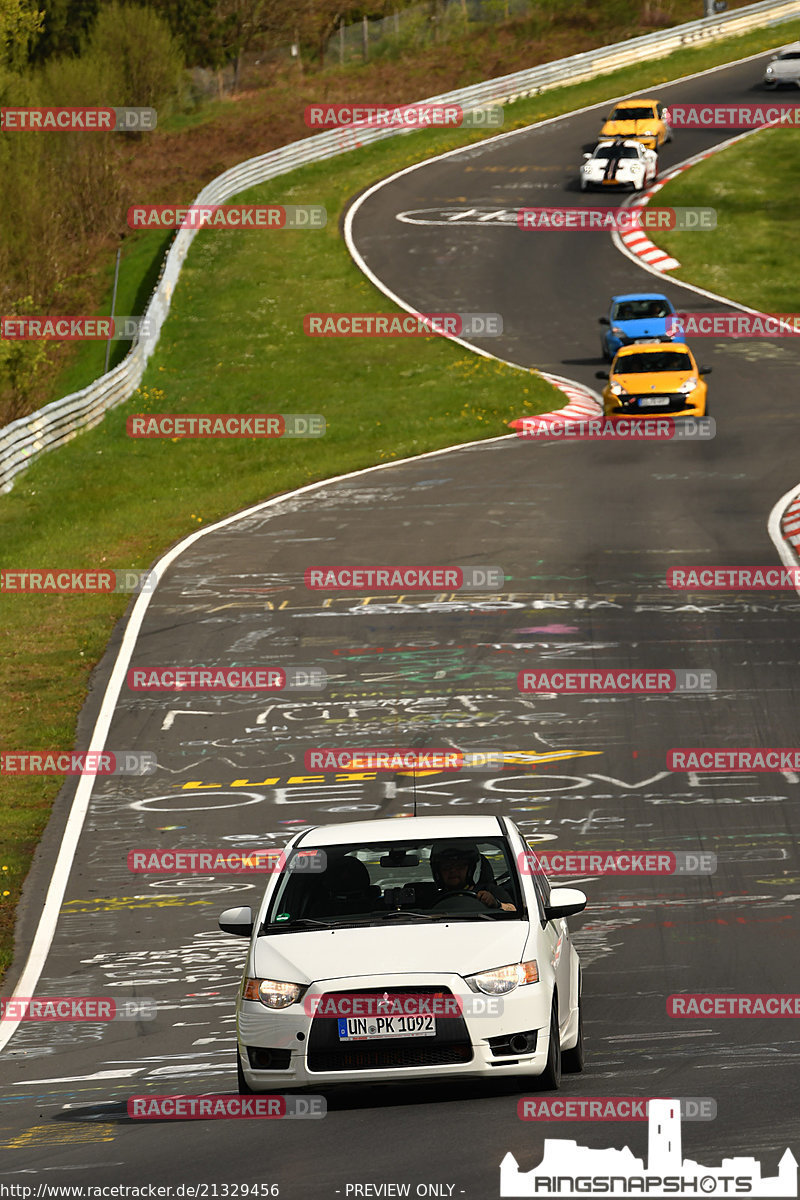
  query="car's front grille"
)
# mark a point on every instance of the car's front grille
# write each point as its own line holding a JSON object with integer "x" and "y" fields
{"x": 450, "y": 1044}
{"x": 397, "y": 1053}
{"x": 677, "y": 402}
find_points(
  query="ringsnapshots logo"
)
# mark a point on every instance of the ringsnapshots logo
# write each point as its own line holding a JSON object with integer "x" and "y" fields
{"x": 618, "y": 862}
{"x": 608, "y": 1108}
{"x": 73, "y": 329}
{"x": 54, "y": 581}
{"x": 223, "y": 1107}
{"x": 154, "y": 861}
{"x": 225, "y": 425}
{"x": 332, "y": 324}
{"x": 733, "y": 116}
{"x": 616, "y": 220}
{"x": 733, "y": 760}
{"x": 733, "y": 579}
{"x": 568, "y": 1169}
{"x": 227, "y": 679}
{"x": 78, "y": 120}
{"x": 75, "y": 762}
{"x": 341, "y": 578}
{"x": 732, "y": 325}
{"x": 608, "y": 429}
{"x": 227, "y": 216}
{"x": 403, "y": 116}
{"x": 77, "y": 1008}
{"x": 617, "y": 682}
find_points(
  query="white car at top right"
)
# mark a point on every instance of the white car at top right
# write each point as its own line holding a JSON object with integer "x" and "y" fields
{"x": 784, "y": 67}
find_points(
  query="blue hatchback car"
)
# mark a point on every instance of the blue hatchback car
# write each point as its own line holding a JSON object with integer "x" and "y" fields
{"x": 636, "y": 317}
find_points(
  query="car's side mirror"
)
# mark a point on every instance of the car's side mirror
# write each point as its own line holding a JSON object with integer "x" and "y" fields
{"x": 236, "y": 920}
{"x": 601, "y": 374}
{"x": 586, "y": 155}
{"x": 706, "y": 370}
{"x": 603, "y": 321}
{"x": 564, "y": 902}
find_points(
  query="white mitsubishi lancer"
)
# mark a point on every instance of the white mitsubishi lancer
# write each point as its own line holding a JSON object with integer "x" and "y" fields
{"x": 408, "y": 949}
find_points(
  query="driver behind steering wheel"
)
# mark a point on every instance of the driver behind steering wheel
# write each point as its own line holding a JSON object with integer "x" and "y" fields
{"x": 458, "y": 868}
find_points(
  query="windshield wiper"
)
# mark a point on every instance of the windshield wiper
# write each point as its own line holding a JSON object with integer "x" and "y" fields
{"x": 407, "y": 912}
{"x": 276, "y": 926}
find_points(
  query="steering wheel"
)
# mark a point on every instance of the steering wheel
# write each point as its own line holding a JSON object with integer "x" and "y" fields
{"x": 463, "y": 893}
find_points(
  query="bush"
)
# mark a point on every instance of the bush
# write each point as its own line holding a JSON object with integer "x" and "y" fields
{"x": 145, "y": 58}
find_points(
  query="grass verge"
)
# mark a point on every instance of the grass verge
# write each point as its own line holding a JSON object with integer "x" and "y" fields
{"x": 234, "y": 342}
{"x": 751, "y": 256}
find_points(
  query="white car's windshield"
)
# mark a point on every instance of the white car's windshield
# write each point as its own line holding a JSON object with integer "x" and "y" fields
{"x": 381, "y": 882}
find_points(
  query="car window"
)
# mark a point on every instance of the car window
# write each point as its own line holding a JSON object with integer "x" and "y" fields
{"x": 791, "y": 54}
{"x": 640, "y": 310}
{"x": 541, "y": 883}
{"x": 632, "y": 113}
{"x": 606, "y": 152}
{"x": 364, "y": 881}
{"x": 661, "y": 360}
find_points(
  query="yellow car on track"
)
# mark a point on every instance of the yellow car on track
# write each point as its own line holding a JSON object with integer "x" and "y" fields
{"x": 646, "y": 120}
{"x": 662, "y": 379}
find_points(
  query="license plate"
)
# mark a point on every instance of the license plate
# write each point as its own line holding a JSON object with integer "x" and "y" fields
{"x": 646, "y": 341}
{"x": 363, "y": 1029}
{"x": 653, "y": 401}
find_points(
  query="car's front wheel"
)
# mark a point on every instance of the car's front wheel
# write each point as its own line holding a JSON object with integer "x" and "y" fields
{"x": 244, "y": 1086}
{"x": 550, "y": 1078}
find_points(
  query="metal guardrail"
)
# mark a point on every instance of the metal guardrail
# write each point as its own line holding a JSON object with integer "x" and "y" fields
{"x": 28, "y": 437}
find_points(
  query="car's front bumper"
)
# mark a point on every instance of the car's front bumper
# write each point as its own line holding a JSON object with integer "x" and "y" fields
{"x": 683, "y": 406}
{"x": 471, "y": 1046}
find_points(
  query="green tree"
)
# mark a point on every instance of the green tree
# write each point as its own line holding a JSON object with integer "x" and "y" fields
{"x": 20, "y": 26}
{"x": 66, "y": 23}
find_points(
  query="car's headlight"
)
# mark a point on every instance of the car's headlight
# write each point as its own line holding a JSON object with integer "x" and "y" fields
{"x": 503, "y": 980}
{"x": 770, "y": 70}
{"x": 618, "y": 390}
{"x": 616, "y": 329}
{"x": 688, "y": 386}
{"x": 274, "y": 993}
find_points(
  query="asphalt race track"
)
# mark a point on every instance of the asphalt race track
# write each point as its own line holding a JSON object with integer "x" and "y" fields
{"x": 584, "y": 533}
